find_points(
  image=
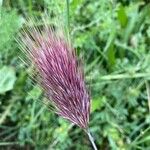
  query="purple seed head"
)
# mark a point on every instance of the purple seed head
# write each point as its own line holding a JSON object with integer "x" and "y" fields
{"x": 60, "y": 74}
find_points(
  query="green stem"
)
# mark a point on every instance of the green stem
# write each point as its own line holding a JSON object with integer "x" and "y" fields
{"x": 67, "y": 12}
{"x": 91, "y": 139}
{"x": 8, "y": 143}
{"x": 123, "y": 76}
{"x": 140, "y": 135}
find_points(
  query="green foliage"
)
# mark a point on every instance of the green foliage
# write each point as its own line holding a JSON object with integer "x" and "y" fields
{"x": 9, "y": 25}
{"x": 113, "y": 37}
{"x": 7, "y": 79}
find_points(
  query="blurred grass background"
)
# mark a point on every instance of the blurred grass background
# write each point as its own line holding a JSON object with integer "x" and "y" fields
{"x": 113, "y": 36}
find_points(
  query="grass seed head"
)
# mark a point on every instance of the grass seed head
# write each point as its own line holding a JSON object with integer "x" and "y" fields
{"x": 60, "y": 73}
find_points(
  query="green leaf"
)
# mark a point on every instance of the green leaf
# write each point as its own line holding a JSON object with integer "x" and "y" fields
{"x": 111, "y": 55}
{"x": 97, "y": 103}
{"x": 34, "y": 93}
{"x": 7, "y": 79}
{"x": 145, "y": 13}
{"x": 146, "y": 139}
{"x": 131, "y": 24}
{"x": 122, "y": 17}
{"x": 10, "y": 23}
{"x": 74, "y": 4}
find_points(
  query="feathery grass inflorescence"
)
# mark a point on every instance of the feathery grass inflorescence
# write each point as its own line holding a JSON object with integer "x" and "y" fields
{"x": 59, "y": 72}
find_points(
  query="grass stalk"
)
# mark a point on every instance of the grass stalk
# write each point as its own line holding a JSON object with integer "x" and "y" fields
{"x": 91, "y": 139}
{"x": 68, "y": 14}
{"x": 123, "y": 76}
